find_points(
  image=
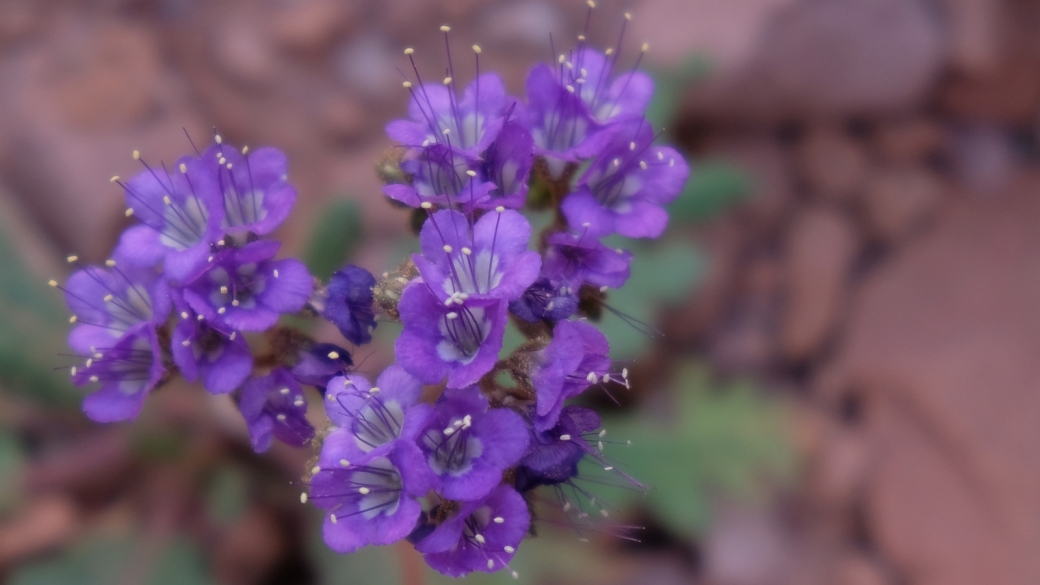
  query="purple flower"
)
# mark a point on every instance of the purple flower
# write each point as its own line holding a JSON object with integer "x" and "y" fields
{"x": 482, "y": 535}
{"x": 624, "y": 190}
{"x": 274, "y": 406}
{"x": 180, "y": 216}
{"x": 126, "y": 371}
{"x": 554, "y": 453}
{"x": 368, "y": 417}
{"x": 107, "y": 303}
{"x": 349, "y": 303}
{"x": 441, "y": 176}
{"x": 319, "y": 363}
{"x": 255, "y": 195}
{"x": 437, "y": 116}
{"x": 203, "y": 350}
{"x": 579, "y": 259}
{"x": 243, "y": 289}
{"x": 488, "y": 259}
{"x": 562, "y": 128}
{"x": 575, "y": 359}
{"x": 460, "y": 341}
{"x": 545, "y": 300}
{"x": 468, "y": 446}
{"x": 589, "y": 72}
{"x": 371, "y": 500}
{"x": 507, "y": 164}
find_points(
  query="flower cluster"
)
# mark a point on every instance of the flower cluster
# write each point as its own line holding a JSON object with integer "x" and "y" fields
{"x": 185, "y": 285}
{"x": 449, "y": 445}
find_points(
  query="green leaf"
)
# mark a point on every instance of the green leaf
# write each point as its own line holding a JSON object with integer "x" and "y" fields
{"x": 33, "y": 327}
{"x": 106, "y": 560}
{"x": 227, "y": 495}
{"x": 12, "y": 458}
{"x": 662, "y": 273}
{"x": 713, "y": 186}
{"x": 730, "y": 442}
{"x": 336, "y": 233}
{"x": 669, "y": 86}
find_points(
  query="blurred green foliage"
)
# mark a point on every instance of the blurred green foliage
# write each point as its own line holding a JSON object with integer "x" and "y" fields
{"x": 729, "y": 441}
{"x": 126, "y": 559}
{"x": 33, "y": 326}
{"x": 669, "y": 86}
{"x": 337, "y": 231}
{"x": 663, "y": 273}
{"x": 713, "y": 186}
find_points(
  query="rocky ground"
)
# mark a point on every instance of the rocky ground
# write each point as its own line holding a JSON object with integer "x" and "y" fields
{"x": 886, "y": 274}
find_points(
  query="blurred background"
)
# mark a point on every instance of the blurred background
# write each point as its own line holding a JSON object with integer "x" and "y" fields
{"x": 846, "y": 388}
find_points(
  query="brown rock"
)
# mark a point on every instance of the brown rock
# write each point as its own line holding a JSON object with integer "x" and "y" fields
{"x": 821, "y": 247}
{"x": 945, "y": 338}
{"x": 1009, "y": 94}
{"x": 342, "y": 117}
{"x": 856, "y": 569}
{"x": 107, "y": 77}
{"x": 18, "y": 19}
{"x": 243, "y": 51}
{"x": 840, "y": 469}
{"x": 831, "y": 58}
{"x": 831, "y": 163}
{"x": 898, "y": 199}
{"x": 745, "y": 340}
{"x": 311, "y": 26}
{"x": 909, "y": 141}
{"x": 769, "y": 165}
{"x": 249, "y": 549}
{"x": 43, "y": 524}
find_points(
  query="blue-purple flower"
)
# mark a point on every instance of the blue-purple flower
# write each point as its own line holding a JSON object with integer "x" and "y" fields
{"x": 582, "y": 259}
{"x": 546, "y": 299}
{"x": 371, "y": 500}
{"x": 563, "y": 129}
{"x": 245, "y": 289}
{"x": 273, "y": 406}
{"x": 203, "y": 350}
{"x": 625, "y": 189}
{"x": 368, "y": 417}
{"x": 440, "y": 175}
{"x": 468, "y": 445}
{"x": 487, "y": 259}
{"x": 437, "y": 116}
{"x": 482, "y": 535}
{"x": 255, "y": 194}
{"x": 106, "y": 303}
{"x": 590, "y": 73}
{"x": 126, "y": 372}
{"x": 575, "y": 359}
{"x": 180, "y": 215}
{"x": 553, "y": 455}
{"x": 317, "y": 364}
{"x": 460, "y": 340}
{"x": 348, "y": 303}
